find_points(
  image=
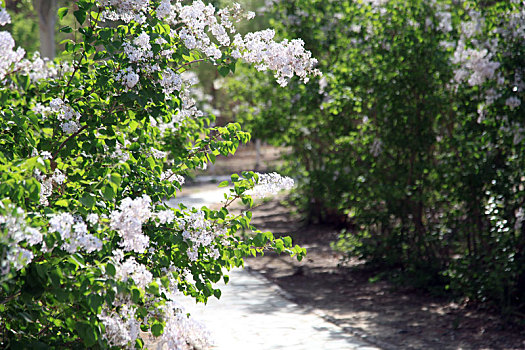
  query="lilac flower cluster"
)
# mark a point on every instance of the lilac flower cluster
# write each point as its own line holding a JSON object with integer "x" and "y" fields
{"x": 122, "y": 327}
{"x": 14, "y": 235}
{"x": 47, "y": 182}
{"x": 169, "y": 175}
{"x": 10, "y": 58}
{"x": 287, "y": 58}
{"x": 66, "y": 114}
{"x": 199, "y": 233}
{"x": 130, "y": 269}
{"x": 125, "y": 10}
{"x": 74, "y": 233}
{"x": 122, "y": 324}
{"x": 13, "y": 60}
{"x": 181, "y": 330}
{"x": 271, "y": 184}
{"x": 128, "y": 223}
{"x": 202, "y": 27}
{"x": 474, "y": 65}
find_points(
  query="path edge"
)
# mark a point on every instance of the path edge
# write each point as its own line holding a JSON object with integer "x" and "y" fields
{"x": 356, "y": 332}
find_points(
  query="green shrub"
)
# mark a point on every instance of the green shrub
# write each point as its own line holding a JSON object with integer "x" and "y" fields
{"x": 90, "y": 151}
{"x": 413, "y": 134}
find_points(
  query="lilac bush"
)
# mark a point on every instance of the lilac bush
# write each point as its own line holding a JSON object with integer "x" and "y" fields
{"x": 91, "y": 150}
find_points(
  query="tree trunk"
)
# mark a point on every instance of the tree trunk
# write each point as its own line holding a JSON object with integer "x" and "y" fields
{"x": 47, "y": 10}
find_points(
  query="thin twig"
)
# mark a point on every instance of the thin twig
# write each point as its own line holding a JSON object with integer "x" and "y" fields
{"x": 69, "y": 138}
{"x": 10, "y": 298}
{"x": 191, "y": 62}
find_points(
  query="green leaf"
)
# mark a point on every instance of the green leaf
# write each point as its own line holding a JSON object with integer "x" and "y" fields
{"x": 116, "y": 179}
{"x": 153, "y": 288}
{"x": 135, "y": 295}
{"x": 87, "y": 333}
{"x": 224, "y": 71}
{"x": 88, "y": 200}
{"x": 259, "y": 240}
{"x": 110, "y": 269}
{"x": 80, "y": 15}
{"x": 224, "y": 184}
{"x": 95, "y": 302}
{"x": 62, "y": 203}
{"x": 157, "y": 329}
{"x": 108, "y": 193}
{"x": 62, "y": 12}
{"x": 65, "y": 29}
{"x": 279, "y": 245}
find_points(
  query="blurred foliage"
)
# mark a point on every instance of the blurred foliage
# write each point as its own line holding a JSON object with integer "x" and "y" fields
{"x": 426, "y": 172}
{"x": 25, "y": 30}
{"x": 24, "y": 24}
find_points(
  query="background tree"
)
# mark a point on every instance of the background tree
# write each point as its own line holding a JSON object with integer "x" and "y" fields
{"x": 413, "y": 137}
{"x": 47, "y": 10}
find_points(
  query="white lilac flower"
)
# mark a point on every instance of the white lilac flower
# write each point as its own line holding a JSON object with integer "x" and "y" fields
{"x": 70, "y": 127}
{"x": 74, "y": 233}
{"x": 128, "y": 77}
{"x": 92, "y": 218}
{"x": 445, "y": 21}
{"x": 158, "y": 154}
{"x": 169, "y": 175}
{"x": 271, "y": 184}
{"x": 40, "y": 109}
{"x": 165, "y": 216}
{"x": 475, "y": 66}
{"x": 513, "y": 102}
{"x": 165, "y": 10}
{"x": 4, "y": 17}
{"x": 56, "y": 104}
{"x": 181, "y": 330}
{"x": 42, "y": 68}
{"x": 125, "y": 10}
{"x": 14, "y": 231}
{"x": 11, "y": 59}
{"x": 131, "y": 269}
{"x": 131, "y": 79}
{"x": 46, "y": 181}
{"x": 122, "y": 327}
{"x": 143, "y": 41}
{"x": 128, "y": 223}
{"x": 58, "y": 177}
{"x": 199, "y": 232}
{"x": 286, "y": 59}
{"x": 46, "y": 190}
{"x": 69, "y": 117}
{"x": 120, "y": 153}
{"x": 170, "y": 81}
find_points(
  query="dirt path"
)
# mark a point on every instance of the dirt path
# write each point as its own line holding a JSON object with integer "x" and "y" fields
{"x": 389, "y": 316}
{"x": 253, "y": 313}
